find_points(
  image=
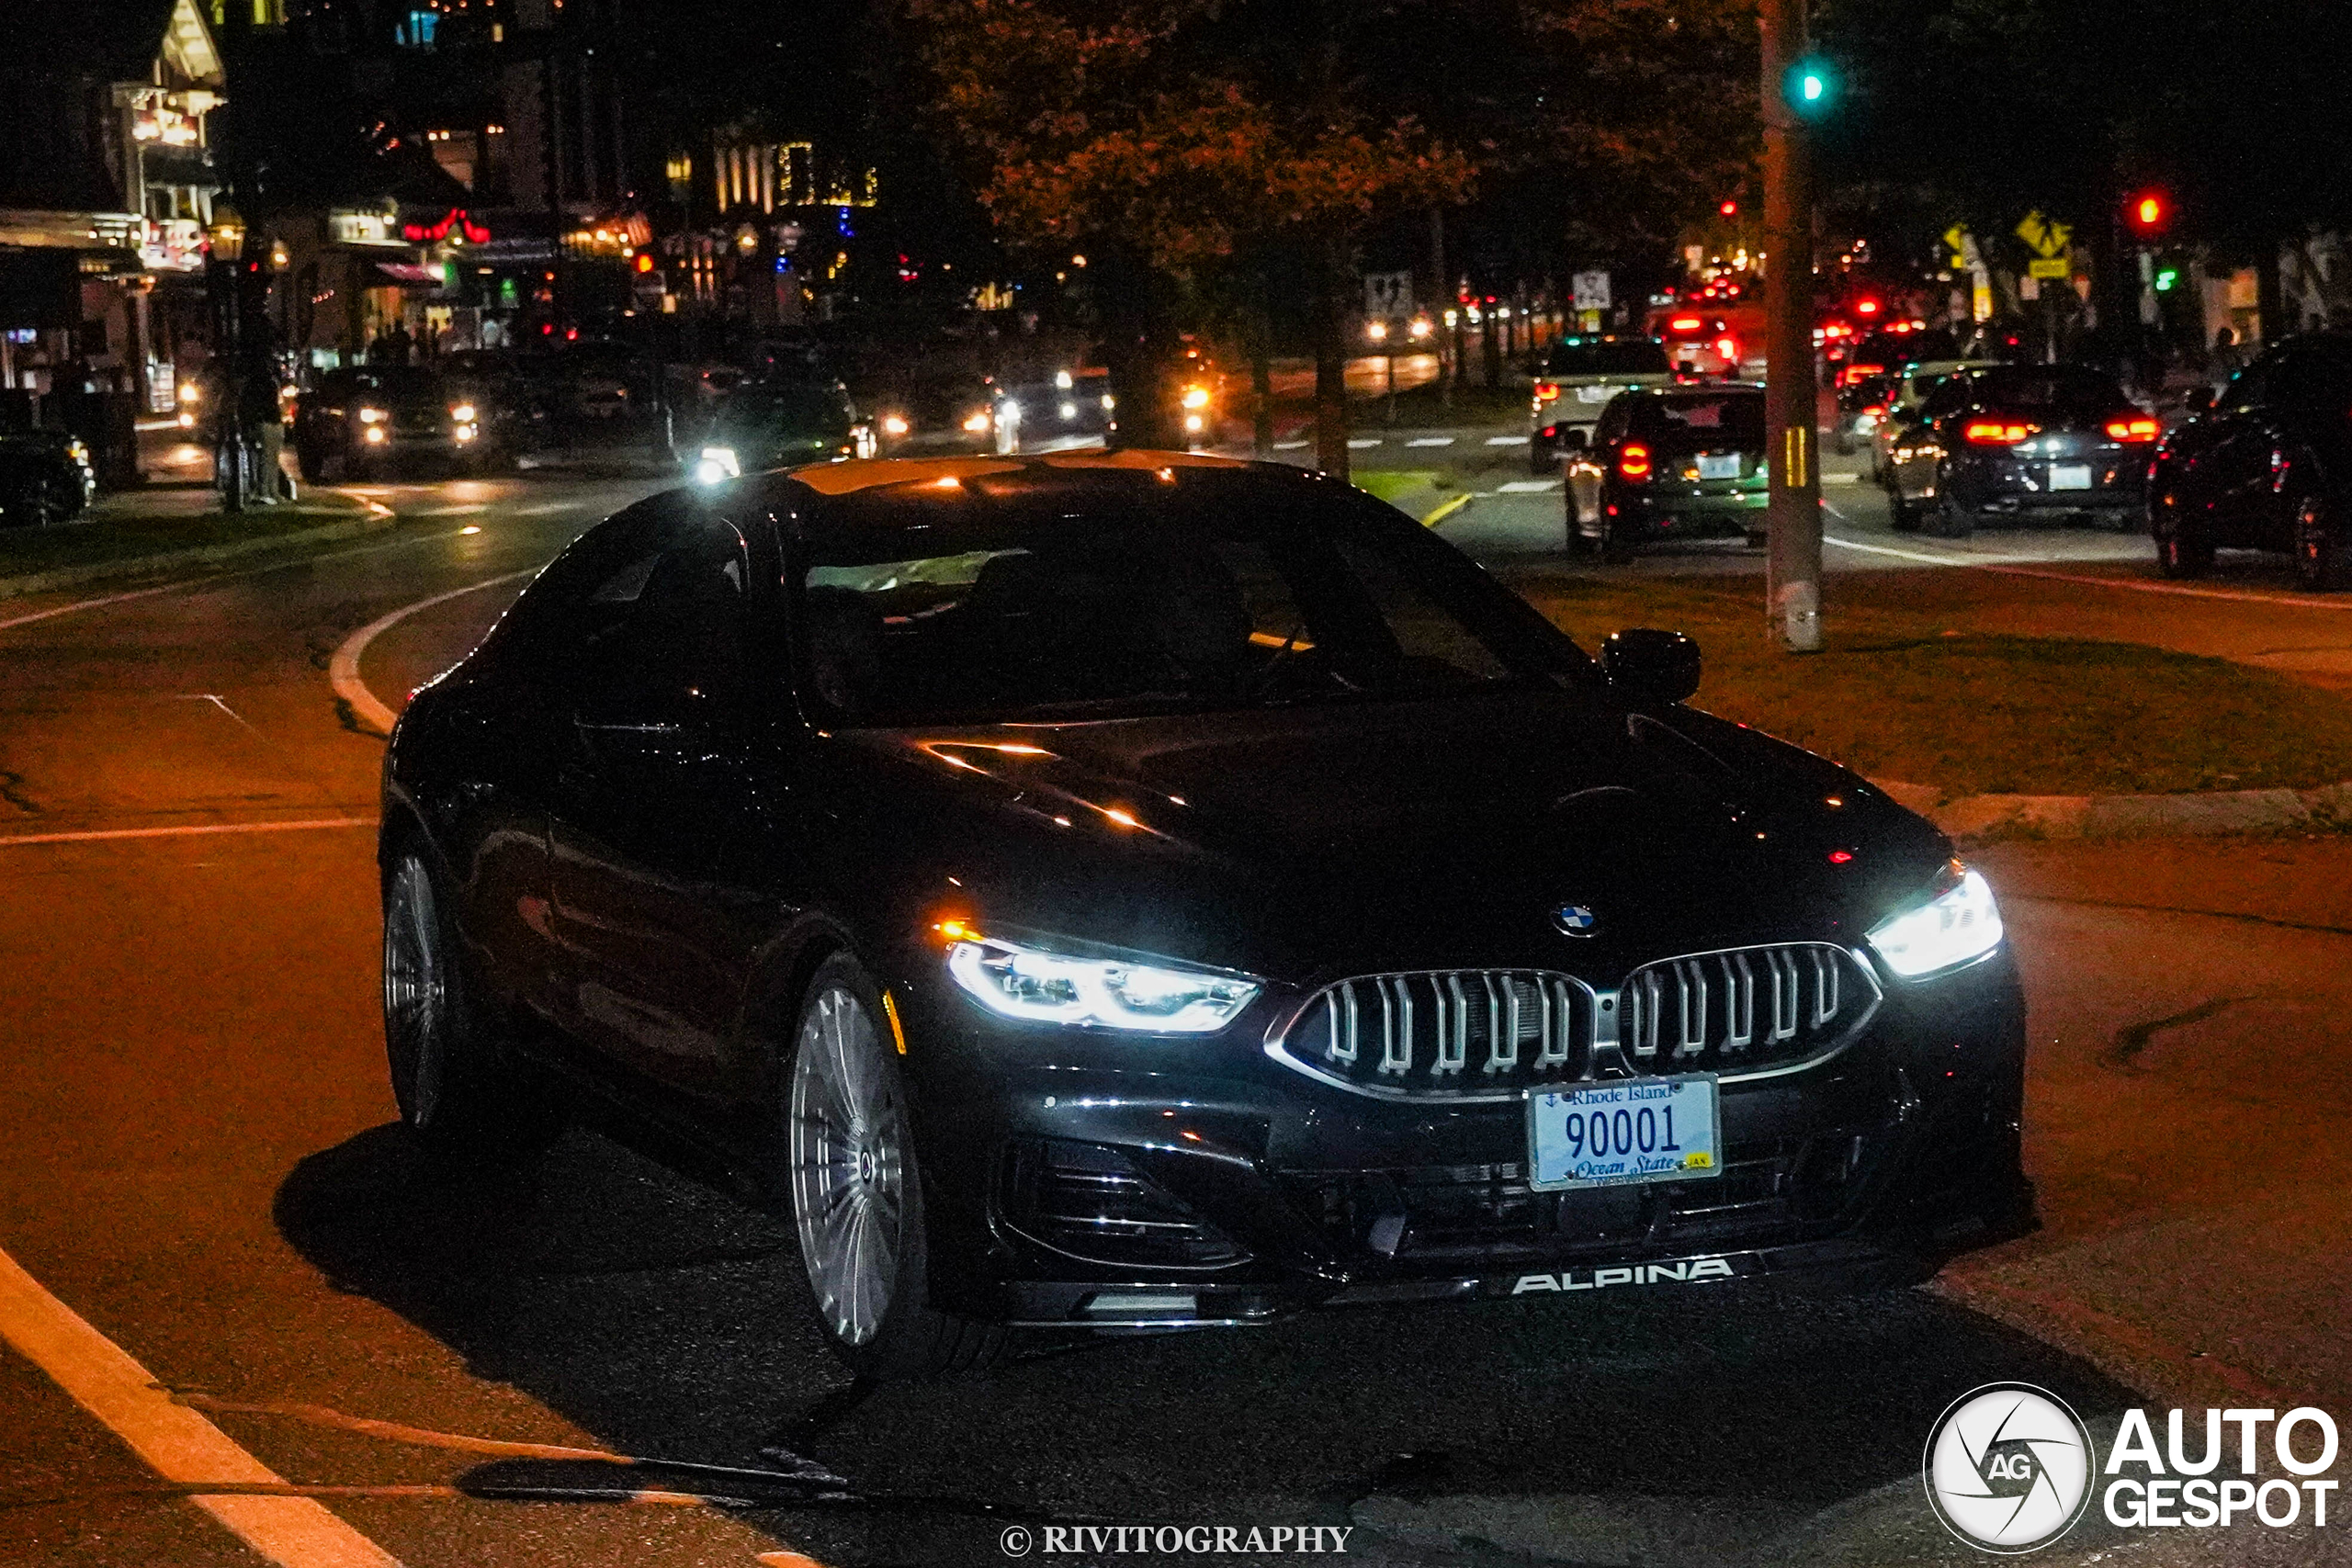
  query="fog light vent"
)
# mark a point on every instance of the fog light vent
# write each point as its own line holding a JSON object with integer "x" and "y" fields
{"x": 1090, "y": 1202}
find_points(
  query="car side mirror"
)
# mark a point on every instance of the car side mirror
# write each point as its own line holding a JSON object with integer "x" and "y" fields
{"x": 2197, "y": 399}
{"x": 1647, "y": 667}
{"x": 1574, "y": 438}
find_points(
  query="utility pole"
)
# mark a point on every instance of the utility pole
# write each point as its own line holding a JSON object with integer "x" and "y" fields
{"x": 1791, "y": 88}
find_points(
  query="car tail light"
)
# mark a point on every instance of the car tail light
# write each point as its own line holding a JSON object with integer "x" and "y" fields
{"x": 1633, "y": 461}
{"x": 1876, "y": 411}
{"x": 2132, "y": 429}
{"x": 1545, "y": 392}
{"x": 1685, "y": 324}
{"x": 1995, "y": 433}
{"x": 1858, "y": 372}
{"x": 1729, "y": 348}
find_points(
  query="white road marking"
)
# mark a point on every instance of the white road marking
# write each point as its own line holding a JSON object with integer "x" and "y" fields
{"x": 1431, "y": 441}
{"x": 343, "y": 669}
{"x": 1528, "y": 486}
{"x": 1291, "y": 445}
{"x": 2009, "y": 566}
{"x": 174, "y": 1441}
{"x": 1361, "y": 443}
{"x": 1841, "y": 478}
{"x": 1506, "y": 440}
{"x": 184, "y": 830}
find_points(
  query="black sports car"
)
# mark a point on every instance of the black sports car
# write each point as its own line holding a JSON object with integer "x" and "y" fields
{"x": 2009, "y": 442}
{"x": 1124, "y": 891}
{"x": 2263, "y": 466}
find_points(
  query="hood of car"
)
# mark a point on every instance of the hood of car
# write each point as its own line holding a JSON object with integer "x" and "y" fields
{"x": 1312, "y": 841}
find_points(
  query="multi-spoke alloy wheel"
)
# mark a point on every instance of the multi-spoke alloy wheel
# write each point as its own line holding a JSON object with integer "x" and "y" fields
{"x": 849, "y": 1164}
{"x": 417, "y": 994}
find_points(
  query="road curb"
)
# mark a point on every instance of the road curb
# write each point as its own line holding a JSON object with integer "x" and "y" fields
{"x": 360, "y": 521}
{"x": 1987, "y": 817}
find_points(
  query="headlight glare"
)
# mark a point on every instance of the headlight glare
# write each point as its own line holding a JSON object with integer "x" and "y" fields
{"x": 717, "y": 463}
{"x": 1960, "y": 922}
{"x": 1021, "y": 981}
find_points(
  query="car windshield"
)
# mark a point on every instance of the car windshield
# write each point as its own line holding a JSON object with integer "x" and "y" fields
{"x": 1633, "y": 356}
{"x": 816, "y": 411}
{"x": 1093, "y": 612}
{"x": 2046, "y": 387}
{"x": 1693, "y": 422}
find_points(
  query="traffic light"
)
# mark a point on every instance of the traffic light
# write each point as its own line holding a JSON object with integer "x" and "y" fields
{"x": 1729, "y": 209}
{"x": 1809, "y": 87}
{"x": 2167, "y": 280}
{"x": 2149, "y": 212}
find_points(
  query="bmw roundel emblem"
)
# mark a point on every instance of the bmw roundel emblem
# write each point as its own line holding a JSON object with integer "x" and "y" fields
{"x": 1576, "y": 919}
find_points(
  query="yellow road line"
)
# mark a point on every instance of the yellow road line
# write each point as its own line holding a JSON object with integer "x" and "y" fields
{"x": 1444, "y": 511}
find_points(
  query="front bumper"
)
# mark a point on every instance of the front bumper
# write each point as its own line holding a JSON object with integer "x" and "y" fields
{"x": 1065, "y": 1187}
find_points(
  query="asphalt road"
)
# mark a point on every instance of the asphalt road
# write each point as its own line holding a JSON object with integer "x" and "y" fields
{"x": 199, "y": 1164}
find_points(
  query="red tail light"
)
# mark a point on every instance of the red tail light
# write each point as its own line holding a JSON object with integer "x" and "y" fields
{"x": 2133, "y": 429}
{"x": 1545, "y": 392}
{"x": 1995, "y": 433}
{"x": 1685, "y": 324}
{"x": 1876, "y": 411}
{"x": 1633, "y": 461}
{"x": 1729, "y": 348}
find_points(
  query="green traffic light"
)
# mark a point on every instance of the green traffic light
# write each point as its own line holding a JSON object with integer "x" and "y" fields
{"x": 1810, "y": 87}
{"x": 2166, "y": 279}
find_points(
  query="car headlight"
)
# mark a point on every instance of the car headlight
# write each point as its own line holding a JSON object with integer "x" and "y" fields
{"x": 717, "y": 463}
{"x": 977, "y": 423}
{"x": 894, "y": 425}
{"x": 1959, "y": 921}
{"x": 1069, "y": 411}
{"x": 373, "y": 416}
{"x": 462, "y": 413}
{"x": 1018, "y": 980}
{"x": 1196, "y": 397}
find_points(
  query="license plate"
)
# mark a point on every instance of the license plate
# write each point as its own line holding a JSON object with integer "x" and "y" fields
{"x": 2070, "y": 476}
{"x": 1592, "y": 394}
{"x": 1614, "y": 1134}
{"x": 1725, "y": 467}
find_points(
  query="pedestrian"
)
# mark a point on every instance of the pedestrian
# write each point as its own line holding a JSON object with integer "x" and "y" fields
{"x": 2224, "y": 362}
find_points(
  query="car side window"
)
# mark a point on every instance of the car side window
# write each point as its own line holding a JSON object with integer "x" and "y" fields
{"x": 674, "y": 646}
{"x": 584, "y": 590}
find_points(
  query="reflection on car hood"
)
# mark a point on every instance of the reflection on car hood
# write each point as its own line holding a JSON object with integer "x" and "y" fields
{"x": 1298, "y": 841}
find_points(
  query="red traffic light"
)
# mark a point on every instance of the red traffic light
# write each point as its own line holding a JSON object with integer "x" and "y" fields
{"x": 2150, "y": 211}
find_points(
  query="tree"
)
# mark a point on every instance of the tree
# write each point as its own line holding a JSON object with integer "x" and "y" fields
{"x": 1175, "y": 138}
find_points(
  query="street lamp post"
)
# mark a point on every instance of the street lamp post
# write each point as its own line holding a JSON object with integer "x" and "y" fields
{"x": 1793, "y": 89}
{"x": 227, "y": 236}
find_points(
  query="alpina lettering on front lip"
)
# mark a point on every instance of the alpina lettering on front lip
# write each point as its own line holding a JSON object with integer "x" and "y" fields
{"x": 1576, "y": 919}
{"x": 1683, "y": 1273}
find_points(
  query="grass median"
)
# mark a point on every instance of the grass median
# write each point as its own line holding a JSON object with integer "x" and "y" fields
{"x": 26, "y": 552}
{"x": 1909, "y": 696}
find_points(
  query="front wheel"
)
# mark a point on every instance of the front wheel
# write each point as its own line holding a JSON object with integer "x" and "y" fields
{"x": 1901, "y": 514}
{"x": 2323, "y": 554}
{"x": 856, "y": 1192}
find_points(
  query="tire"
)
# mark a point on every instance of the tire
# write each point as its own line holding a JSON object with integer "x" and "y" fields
{"x": 1612, "y": 546}
{"x": 1543, "y": 457}
{"x": 855, "y": 1192}
{"x": 313, "y": 464}
{"x": 1948, "y": 519}
{"x": 459, "y": 1093}
{"x": 1757, "y": 539}
{"x": 1901, "y": 516}
{"x": 2181, "y": 551}
{"x": 2322, "y": 553}
{"x": 1842, "y": 441}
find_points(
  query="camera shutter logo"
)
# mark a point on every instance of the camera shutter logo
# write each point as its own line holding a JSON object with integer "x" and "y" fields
{"x": 2008, "y": 1468}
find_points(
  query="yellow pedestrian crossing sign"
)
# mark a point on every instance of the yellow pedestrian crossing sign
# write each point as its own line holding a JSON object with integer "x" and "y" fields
{"x": 2048, "y": 239}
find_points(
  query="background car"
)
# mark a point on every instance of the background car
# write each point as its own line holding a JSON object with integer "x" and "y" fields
{"x": 1687, "y": 462}
{"x": 1576, "y": 381}
{"x": 2267, "y": 464}
{"x": 371, "y": 419}
{"x": 2021, "y": 441}
{"x": 1862, "y": 407}
{"x": 1106, "y": 892}
{"x": 45, "y": 477}
{"x": 775, "y": 424}
{"x": 1070, "y": 407}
